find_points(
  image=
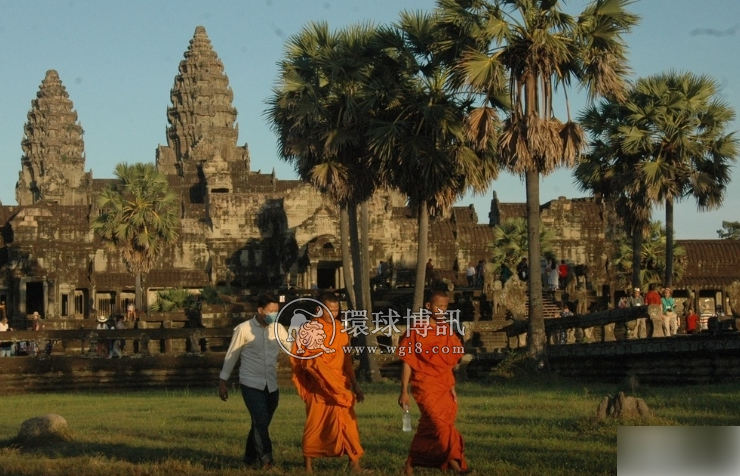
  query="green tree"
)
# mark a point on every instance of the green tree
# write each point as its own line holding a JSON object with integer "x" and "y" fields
{"x": 678, "y": 125}
{"x": 609, "y": 174}
{"x": 511, "y": 243}
{"x": 421, "y": 132}
{"x": 730, "y": 230}
{"x": 652, "y": 259}
{"x": 318, "y": 114}
{"x": 138, "y": 218}
{"x": 539, "y": 48}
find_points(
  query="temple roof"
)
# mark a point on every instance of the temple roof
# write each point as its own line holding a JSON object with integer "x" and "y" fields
{"x": 710, "y": 263}
{"x": 53, "y": 159}
{"x": 201, "y": 99}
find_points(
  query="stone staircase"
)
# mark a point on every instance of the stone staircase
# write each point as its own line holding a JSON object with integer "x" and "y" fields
{"x": 550, "y": 307}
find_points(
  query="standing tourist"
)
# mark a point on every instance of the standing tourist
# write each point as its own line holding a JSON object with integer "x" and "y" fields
{"x": 6, "y": 348}
{"x": 429, "y": 275}
{"x": 552, "y": 274}
{"x": 655, "y": 309}
{"x": 562, "y": 274}
{"x": 640, "y": 330}
{"x": 470, "y": 274}
{"x": 670, "y": 324}
{"x": 256, "y": 344}
{"x": 691, "y": 321}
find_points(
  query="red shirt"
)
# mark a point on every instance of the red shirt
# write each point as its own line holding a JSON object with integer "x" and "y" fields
{"x": 691, "y": 321}
{"x": 652, "y": 297}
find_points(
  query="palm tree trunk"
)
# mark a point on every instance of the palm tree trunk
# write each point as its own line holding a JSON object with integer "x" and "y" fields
{"x": 368, "y": 361}
{"x": 637, "y": 240}
{"x": 354, "y": 244}
{"x": 537, "y": 338}
{"x": 365, "y": 256}
{"x": 368, "y": 365}
{"x": 346, "y": 259}
{"x": 138, "y": 294}
{"x": 669, "y": 242}
{"x": 421, "y": 256}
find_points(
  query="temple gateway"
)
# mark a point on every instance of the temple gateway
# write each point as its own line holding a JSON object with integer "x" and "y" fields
{"x": 251, "y": 229}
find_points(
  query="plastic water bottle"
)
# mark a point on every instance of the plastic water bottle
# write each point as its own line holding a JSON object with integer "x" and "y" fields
{"x": 406, "y": 419}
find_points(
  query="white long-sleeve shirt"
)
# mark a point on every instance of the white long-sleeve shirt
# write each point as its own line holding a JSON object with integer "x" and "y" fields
{"x": 258, "y": 349}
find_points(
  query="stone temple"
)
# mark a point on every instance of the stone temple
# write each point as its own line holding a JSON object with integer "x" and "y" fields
{"x": 239, "y": 227}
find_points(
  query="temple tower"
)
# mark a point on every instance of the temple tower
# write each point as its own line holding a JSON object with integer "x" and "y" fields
{"x": 202, "y": 117}
{"x": 53, "y": 162}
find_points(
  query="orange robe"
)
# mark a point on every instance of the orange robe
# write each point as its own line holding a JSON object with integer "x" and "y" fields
{"x": 437, "y": 441}
{"x": 325, "y": 386}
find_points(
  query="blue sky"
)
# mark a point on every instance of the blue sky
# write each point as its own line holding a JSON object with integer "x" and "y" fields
{"x": 118, "y": 61}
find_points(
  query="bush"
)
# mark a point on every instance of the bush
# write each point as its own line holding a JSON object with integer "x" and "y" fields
{"x": 211, "y": 295}
{"x": 174, "y": 299}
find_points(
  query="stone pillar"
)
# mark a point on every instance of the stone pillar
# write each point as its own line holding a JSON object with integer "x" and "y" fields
{"x": 22, "y": 297}
{"x": 47, "y": 310}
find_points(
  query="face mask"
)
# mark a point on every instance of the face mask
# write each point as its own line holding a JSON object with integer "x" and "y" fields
{"x": 271, "y": 317}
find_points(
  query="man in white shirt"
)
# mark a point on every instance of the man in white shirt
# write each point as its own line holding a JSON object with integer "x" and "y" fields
{"x": 470, "y": 274}
{"x": 255, "y": 342}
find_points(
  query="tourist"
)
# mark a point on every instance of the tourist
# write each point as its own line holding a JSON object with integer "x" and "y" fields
{"x": 115, "y": 346}
{"x": 36, "y": 326}
{"x": 692, "y": 320}
{"x": 652, "y": 301}
{"x": 670, "y": 324}
{"x": 256, "y": 344}
{"x": 552, "y": 274}
{"x": 380, "y": 276}
{"x": 328, "y": 386}
{"x": 566, "y": 334}
{"x": 480, "y": 272}
{"x": 429, "y": 275}
{"x": 470, "y": 274}
{"x": 640, "y": 330}
{"x": 562, "y": 274}
{"x": 437, "y": 443}
{"x": 522, "y": 270}
{"x": 6, "y": 348}
{"x": 103, "y": 347}
{"x": 131, "y": 313}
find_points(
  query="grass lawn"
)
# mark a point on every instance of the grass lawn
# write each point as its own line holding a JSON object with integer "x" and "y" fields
{"x": 511, "y": 428}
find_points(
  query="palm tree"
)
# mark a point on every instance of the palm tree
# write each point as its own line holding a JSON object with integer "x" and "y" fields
{"x": 652, "y": 259}
{"x": 609, "y": 174}
{"x": 317, "y": 112}
{"x": 679, "y": 125}
{"x": 541, "y": 48}
{"x": 511, "y": 243}
{"x": 421, "y": 132}
{"x": 138, "y": 217}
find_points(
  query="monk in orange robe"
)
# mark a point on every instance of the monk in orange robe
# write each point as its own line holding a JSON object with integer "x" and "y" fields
{"x": 327, "y": 384}
{"x": 429, "y": 354}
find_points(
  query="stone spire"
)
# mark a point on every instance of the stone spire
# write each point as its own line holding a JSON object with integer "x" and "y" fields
{"x": 53, "y": 162}
{"x": 201, "y": 103}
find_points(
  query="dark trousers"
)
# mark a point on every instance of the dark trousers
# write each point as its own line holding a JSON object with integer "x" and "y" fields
{"x": 261, "y": 405}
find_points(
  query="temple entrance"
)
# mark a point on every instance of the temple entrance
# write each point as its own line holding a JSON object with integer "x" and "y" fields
{"x": 327, "y": 275}
{"x": 35, "y": 297}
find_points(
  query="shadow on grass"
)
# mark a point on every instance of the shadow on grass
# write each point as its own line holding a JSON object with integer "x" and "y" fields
{"x": 135, "y": 455}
